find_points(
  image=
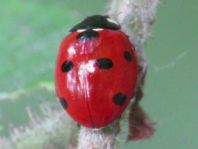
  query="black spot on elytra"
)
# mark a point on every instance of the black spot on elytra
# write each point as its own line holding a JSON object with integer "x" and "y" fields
{"x": 104, "y": 63}
{"x": 96, "y": 21}
{"x": 88, "y": 34}
{"x": 67, "y": 66}
{"x": 63, "y": 103}
{"x": 119, "y": 99}
{"x": 127, "y": 56}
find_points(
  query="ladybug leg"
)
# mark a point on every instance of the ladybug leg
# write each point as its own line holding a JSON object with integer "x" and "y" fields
{"x": 140, "y": 127}
{"x": 142, "y": 71}
{"x": 142, "y": 74}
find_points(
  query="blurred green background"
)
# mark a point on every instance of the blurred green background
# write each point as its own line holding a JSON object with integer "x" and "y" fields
{"x": 30, "y": 33}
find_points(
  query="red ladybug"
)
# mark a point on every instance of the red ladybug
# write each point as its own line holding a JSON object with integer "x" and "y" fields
{"x": 96, "y": 72}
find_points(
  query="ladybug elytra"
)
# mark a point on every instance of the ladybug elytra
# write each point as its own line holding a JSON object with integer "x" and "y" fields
{"x": 96, "y": 72}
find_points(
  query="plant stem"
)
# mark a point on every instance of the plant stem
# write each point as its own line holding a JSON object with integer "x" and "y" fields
{"x": 136, "y": 18}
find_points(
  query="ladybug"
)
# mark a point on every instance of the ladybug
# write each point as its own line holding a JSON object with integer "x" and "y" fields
{"x": 96, "y": 72}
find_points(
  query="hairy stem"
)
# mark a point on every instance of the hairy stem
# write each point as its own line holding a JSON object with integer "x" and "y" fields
{"x": 99, "y": 138}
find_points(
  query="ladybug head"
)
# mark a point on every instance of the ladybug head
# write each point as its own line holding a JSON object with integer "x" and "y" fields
{"x": 96, "y": 21}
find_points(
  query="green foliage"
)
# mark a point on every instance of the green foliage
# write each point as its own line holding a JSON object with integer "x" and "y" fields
{"x": 32, "y": 31}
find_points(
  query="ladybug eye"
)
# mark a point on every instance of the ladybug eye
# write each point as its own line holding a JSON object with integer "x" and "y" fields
{"x": 127, "y": 56}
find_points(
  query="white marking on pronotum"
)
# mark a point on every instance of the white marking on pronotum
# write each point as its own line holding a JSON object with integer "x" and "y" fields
{"x": 81, "y": 30}
{"x": 98, "y": 29}
{"x": 111, "y": 21}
